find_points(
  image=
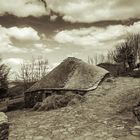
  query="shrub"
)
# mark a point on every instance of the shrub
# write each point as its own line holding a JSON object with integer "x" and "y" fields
{"x": 127, "y": 53}
{"x": 4, "y": 73}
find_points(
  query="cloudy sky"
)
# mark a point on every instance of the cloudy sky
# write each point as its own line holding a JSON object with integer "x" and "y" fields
{"x": 57, "y": 29}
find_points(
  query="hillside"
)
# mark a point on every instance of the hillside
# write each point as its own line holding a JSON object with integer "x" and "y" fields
{"x": 106, "y": 115}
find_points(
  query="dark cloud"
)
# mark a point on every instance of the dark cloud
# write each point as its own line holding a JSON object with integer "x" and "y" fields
{"x": 23, "y": 8}
{"x": 45, "y": 25}
{"x": 73, "y": 10}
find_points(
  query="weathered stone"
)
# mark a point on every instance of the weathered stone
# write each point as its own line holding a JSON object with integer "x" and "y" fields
{"x": 4, "y": 127}
{"x": 38, "y": 138}
{"x": 135, "y": 132}
{"x": 137, "y": 127}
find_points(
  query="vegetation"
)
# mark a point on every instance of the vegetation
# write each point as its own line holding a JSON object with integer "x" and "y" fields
{"x": 58, "y": 101}
{"x": 124, "y": 58}
{"x": 128, "y": 52}
{"x": 31, "y": 72}
{"x": 4, "y": 73}
{"x": 97, "y": 59}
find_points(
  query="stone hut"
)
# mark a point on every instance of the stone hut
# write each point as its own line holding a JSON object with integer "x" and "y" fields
{"x": 71, "y": 75}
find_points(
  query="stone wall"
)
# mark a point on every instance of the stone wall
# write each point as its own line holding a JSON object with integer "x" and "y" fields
{"x": 32, "y": 98}
{"x": 4, "y": 127}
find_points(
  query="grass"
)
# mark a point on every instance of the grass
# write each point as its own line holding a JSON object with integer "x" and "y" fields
{"x": 58, "y": 101}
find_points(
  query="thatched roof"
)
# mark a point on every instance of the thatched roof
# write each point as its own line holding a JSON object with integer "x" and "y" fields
{"x": 73, "y": 74}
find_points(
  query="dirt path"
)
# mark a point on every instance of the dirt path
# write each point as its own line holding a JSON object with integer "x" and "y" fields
{"x": 106, "y": 115}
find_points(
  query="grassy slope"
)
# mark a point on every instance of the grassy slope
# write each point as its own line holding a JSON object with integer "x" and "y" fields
{"x": 105, "y": 115}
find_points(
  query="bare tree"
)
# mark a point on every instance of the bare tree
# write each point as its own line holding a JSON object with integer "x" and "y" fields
{"x": 4, "y": 73}
{"x": 109, "y": 57}
{"x": 97, "y": 59}
{"x": 90, "y": 60}
{"x": 31, "y": 72}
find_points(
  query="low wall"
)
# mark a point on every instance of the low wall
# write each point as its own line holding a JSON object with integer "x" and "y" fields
{"x": 4, "y": 127}
{"x": 31, "y": 98}
{"x": 11, "y": 104}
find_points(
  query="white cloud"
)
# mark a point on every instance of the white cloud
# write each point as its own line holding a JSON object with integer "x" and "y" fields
{"x": 96, "y": 37}
{"x": 95, "y": 10}
{"x": 10, "y": 48}
{"x": 53, "y": 17}
{"x": 5, "y": 42}
{"x": 22, "y": 8}
{"x": 4, "y": 38}
{"x": 23, "y": 34}
{"x": 42, "y": 47}
{"x": 73, "y": 10}
{"x": 20, "y": 34}
{"x": 13, "y": 61}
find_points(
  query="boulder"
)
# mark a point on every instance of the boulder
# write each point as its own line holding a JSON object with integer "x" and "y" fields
{"x": 4, "y": 127}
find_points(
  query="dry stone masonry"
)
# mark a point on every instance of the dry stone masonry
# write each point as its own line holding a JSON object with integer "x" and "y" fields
{"x": 4, "y": 127}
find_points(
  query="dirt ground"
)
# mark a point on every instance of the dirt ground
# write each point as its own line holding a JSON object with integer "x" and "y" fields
{"x": 105, "y": 115}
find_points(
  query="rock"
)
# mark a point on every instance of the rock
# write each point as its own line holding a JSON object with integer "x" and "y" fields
{"x": 109, "y": 80}
{"x": 129, "y": 137}
{"x": 111, "y": 138}
{"x": 4, "y": 127}
{"x": 135, "y": 132}
{"x": 38, "y": 138}
{"x": 120, "y": 128}
{"x": 137, "y": 127}
{"x": 3, "y": 118}
{"x": 101, "y": 134}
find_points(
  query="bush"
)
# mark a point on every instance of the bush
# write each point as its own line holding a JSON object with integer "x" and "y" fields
{"x": 128, "y": 52}
{"x": 58, "y": 101}
{"x": 4, "y": 73}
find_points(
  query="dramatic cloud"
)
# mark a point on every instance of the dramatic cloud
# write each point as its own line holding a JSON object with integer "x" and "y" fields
{"x": 5, "y": 42}
{"x": 27, "y": 34}
{"x": 95, "y": 10}
{"x": 20, "y": 34}
{"x": 96, "y": 36}
{"x": 21, "y": 44}
{"x": 23, "y": 34}
{"x": 22, "y": 8}
{"x": 73, "y": 10}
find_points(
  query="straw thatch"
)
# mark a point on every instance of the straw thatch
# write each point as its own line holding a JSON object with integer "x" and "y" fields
{"x": 73, "y": 74}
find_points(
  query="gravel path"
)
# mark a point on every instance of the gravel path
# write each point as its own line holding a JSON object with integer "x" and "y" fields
{"x": 106, "y": 115}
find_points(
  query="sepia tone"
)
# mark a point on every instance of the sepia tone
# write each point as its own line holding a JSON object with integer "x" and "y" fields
{"x": 69, "y": 70}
